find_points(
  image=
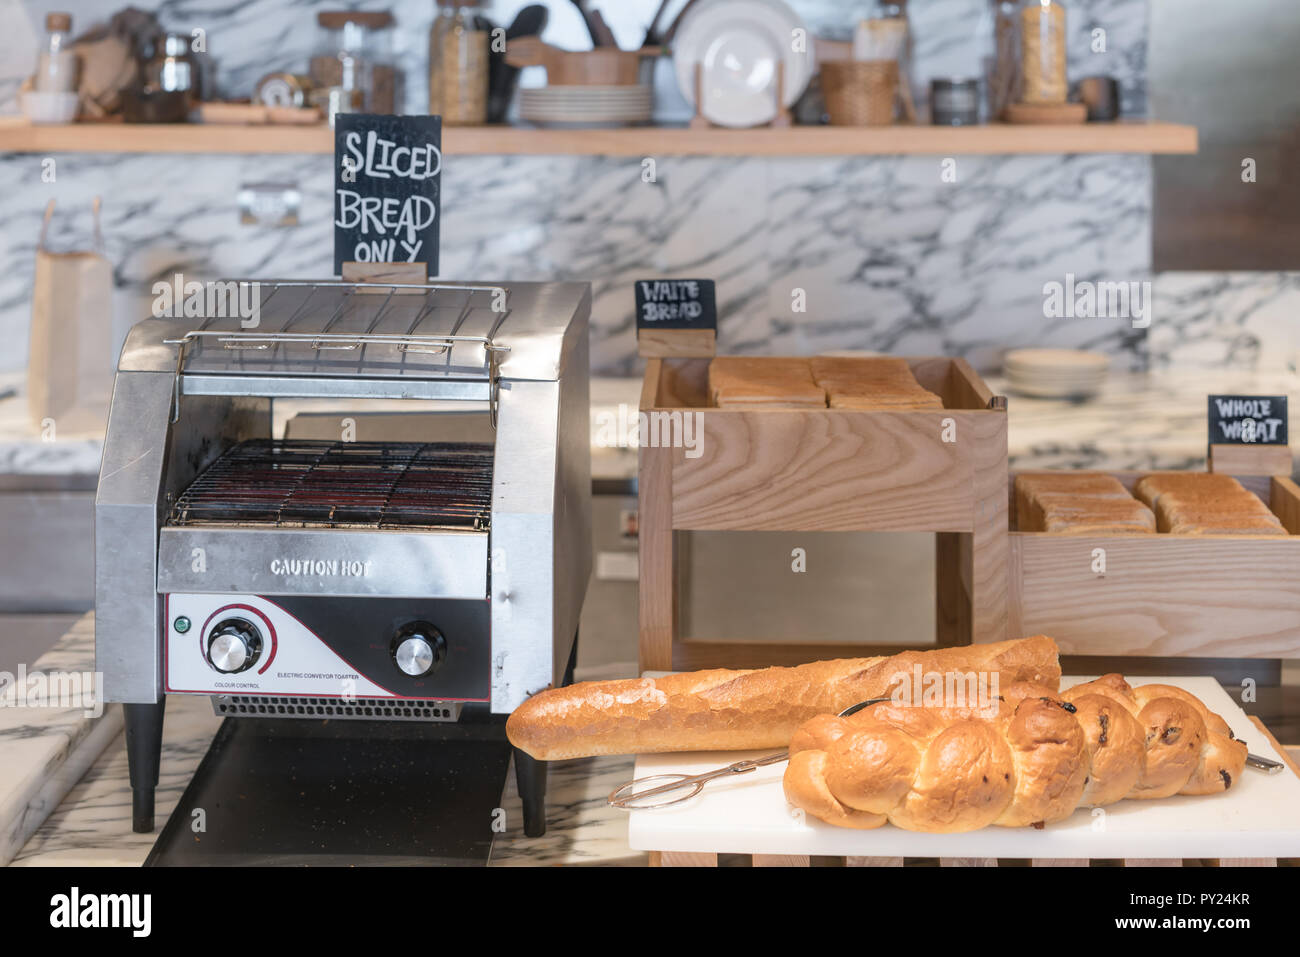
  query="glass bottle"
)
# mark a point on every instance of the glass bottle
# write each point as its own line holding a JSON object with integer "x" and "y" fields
{"x": 899, "y": 42}
{"x": 1002, "y": 57}
{"x": 1042, "y": 52}
{"x": 56, "y": 66}
{"x": 458, "y": 65}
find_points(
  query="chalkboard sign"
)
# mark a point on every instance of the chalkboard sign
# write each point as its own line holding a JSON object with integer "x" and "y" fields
{"x": 676, "y": 304}
{"x": 387, "y": 196}
{"x": 1248, "y": 420}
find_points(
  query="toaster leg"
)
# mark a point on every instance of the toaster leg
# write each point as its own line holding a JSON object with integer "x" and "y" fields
{"x": 530, "y": 777}
{"x": 530, "y": 774}
{"x": 144, "y": 724}
{"x": 573, "y": 662}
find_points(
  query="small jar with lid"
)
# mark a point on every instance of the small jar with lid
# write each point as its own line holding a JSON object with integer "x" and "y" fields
{"x": 458, "y": 65}
{"x": 1042, "y": 52}
{"x": 354, "y": 64}
{"x": 56, "y": 67}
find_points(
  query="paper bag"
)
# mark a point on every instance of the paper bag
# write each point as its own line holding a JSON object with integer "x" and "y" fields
{"x": 70, "y": 361}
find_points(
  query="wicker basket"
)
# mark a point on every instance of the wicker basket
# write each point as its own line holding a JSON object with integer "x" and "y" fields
{"x": 860, "y": 92}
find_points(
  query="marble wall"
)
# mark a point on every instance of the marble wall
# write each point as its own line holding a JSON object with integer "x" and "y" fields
{"x": 885, "y": 253}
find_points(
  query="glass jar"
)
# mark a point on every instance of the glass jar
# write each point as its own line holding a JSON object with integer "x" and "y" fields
{"x": 56, "y": 66}
{"x": 1042, "y": 52}
{"x": 353, "y": 67}
{"x": 458, "y": 65}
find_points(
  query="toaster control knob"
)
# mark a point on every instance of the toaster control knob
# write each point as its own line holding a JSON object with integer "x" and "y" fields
{"x": 418, "y": 649}
{"x": 234, "y": 646}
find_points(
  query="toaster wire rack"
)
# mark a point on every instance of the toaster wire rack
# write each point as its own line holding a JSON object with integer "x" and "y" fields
{"x": 325, "y": 484}
{"x": 398, "y": 323}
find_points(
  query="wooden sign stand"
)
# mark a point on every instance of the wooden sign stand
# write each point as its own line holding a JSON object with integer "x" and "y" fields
{"x": 1251, "y": 459}
{"x": 381, "y": 273}
{"x": 676, "y": 343}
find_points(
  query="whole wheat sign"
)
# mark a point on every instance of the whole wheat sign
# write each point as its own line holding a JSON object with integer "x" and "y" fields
{"x": 1248, "y": 420}
{"x": 387, "y": 189}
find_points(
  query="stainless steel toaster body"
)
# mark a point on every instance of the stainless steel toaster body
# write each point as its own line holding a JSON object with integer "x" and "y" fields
{"x": 365, "y": 579}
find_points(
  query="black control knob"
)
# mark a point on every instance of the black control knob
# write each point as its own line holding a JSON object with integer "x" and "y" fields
{"x": 234, "y": 645}
{"x": 418, "y": 649}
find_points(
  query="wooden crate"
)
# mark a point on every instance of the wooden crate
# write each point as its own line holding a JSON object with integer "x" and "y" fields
{"x": 824, "y": 470}
{"x": 1222, "y": 596}
{"x": 696, "y": 859}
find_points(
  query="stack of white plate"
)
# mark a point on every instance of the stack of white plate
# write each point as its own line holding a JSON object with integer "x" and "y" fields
{"x": 1055, "y": 373}
{"x": 587, "y": 105}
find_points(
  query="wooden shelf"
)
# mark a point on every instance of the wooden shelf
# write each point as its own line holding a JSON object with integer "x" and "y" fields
{"x": 1123, "y": 137}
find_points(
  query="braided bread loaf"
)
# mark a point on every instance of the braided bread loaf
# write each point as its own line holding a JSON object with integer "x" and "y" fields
{"x": 1033, "y": 759}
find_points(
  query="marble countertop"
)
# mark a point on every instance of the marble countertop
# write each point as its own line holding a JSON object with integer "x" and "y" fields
{"x": 45, "y": 748}
{"x": 1139, "y": 421}
{"x": 84, "y": 818}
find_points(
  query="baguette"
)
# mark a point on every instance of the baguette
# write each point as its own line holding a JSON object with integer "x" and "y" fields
{"x": 1034, "y": 761}
{"x": 725, "y": 710}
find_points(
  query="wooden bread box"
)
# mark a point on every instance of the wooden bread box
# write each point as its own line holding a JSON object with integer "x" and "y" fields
{"x": 824, "y": 469}
{"x": 1164, "y": 595}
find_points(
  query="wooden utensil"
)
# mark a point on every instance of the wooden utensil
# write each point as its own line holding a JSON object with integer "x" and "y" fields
{"x": 603, "y": 66}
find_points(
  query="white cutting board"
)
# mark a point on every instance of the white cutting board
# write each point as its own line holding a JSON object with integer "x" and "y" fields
{"x": 748, "y": 814}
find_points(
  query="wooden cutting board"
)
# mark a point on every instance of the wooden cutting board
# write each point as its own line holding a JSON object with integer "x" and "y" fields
{"x": 748, "y": 814}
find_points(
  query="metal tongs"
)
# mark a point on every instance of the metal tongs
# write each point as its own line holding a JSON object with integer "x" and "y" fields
{"x": 1264, "y": 764}
{"x": 628, "y": 798}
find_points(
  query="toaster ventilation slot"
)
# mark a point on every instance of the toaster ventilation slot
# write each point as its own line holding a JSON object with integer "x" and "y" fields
{"x": 323, "y": 484}
{"x": 373, "y": 709}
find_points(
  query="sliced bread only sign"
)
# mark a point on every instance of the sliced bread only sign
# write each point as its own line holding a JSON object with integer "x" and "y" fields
{"x": 387, "y": 189}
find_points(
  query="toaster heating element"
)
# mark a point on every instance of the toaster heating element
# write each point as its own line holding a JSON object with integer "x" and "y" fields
{"x": 408, "y": 578}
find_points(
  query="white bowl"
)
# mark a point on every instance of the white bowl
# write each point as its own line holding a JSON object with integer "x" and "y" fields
{"x": 49, "y": 108}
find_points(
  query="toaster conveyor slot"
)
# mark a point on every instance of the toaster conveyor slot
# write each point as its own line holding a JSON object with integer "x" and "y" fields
{"x": 323, "y": 484}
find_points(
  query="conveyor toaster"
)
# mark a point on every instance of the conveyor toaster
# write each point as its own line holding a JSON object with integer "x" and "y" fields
{"x": 342, "y": 578}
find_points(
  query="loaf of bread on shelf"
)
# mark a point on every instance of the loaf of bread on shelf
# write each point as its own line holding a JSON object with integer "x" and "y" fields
{"x": 1078, "y": 503}
{"x": 1205, "y": 503}
{"x": 760, "y": 382}
{"x": 1032, "y": 760}
{"x": 884, "y": 384}
{"x": 721, "y": 709}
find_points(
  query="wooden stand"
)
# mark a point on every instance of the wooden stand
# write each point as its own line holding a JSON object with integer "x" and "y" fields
{"x": 676, "y": 343}
{"x": 1251, "y": 459}
{"x": 824, "y": 470}
{"x": 379, "y": 273}
{"x": 1161, "y": 595}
